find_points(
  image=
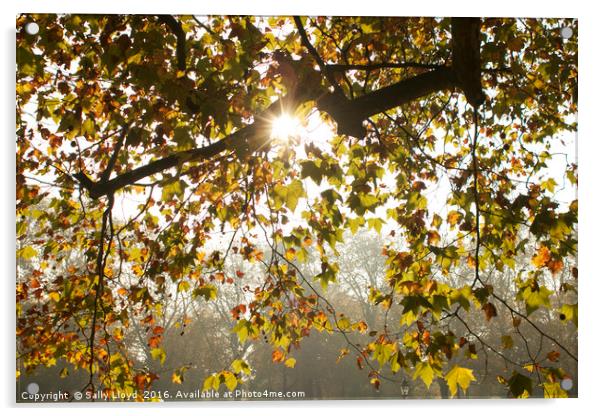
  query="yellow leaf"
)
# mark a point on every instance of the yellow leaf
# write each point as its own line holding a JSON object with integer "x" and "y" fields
{"x": 27, "y": 253}
{"x": 208, "y": 383}
{"x": 459, "y": 376}
{"x": 290, "y": 362}
{"x": 230, "y": 380}
{"x": 425, "y": 372}
{"x": 176, "y": 378}
{"x": 290, "y": 254}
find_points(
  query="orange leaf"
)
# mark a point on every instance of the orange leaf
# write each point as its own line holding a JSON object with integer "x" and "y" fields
{"x": 555, "y": 266}
{"x": 277, "y": 356}
{"x": 542, "y": 257}
{"x": 154, "y": 342}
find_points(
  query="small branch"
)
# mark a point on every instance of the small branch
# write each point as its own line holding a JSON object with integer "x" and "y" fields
{"x": 541, "y": 332}
{"x": 483, "y": 343}
{"x": 323, "y": 67}
{"x": 101, "y": 260}
{"x": 109, "y": 169}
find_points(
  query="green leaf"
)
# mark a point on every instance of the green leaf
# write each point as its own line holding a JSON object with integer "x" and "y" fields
{"x": 175, "y": 188}
{"x": 520, "y": 386}
{"x": 549, "y": 185}
{"x": 507, "y": 342}
{"x": 209, "y": 292}
{"x": 376, "y": 223}
{"x": 310, "y": 169}
{"x": 241, "y": 329}
{"x": 534, "y": 296}
{"x": 158, "y": 354}
{"x": 289, "y": 195}
{"x": 355, "y": 223}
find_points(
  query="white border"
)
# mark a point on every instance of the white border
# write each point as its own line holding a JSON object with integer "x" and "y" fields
{"x": 590, "y": 156}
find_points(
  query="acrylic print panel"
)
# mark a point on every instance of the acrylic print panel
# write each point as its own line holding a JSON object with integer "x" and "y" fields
{"x": 295, "y": 208}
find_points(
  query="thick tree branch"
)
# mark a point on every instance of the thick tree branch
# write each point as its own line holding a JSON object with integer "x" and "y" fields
{"x": 243, "y": 142}
{"x": 349, "y": 114}
{"x": 176, "y": 28}
{"x": 466, "y": 57}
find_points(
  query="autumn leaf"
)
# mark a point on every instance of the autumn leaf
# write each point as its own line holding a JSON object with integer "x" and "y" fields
{"x": 542, "y": 257}
{"x": 520, "y": 385}
{"x": 158, "y": 354}
{"x": 555, "y": 266}
{"x": 277, "y": 356}
{"x": 154, "y": 341}
{"x": 289, "y": 194}
{"x": 176, "y": 377}
{"x": 490, "y": 310}
{"x": 425, "y": 372}
{"x": 453, "y": 217}
{"x": 507, "y": 342}
{"x": 230, "y": 380}
{"x": 569, "y": 312}
{"x": 459, "y": 376}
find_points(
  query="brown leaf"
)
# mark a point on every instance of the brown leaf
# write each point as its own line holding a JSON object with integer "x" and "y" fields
{"x": 489, "y": 310}
{"x": 553, "y": 356}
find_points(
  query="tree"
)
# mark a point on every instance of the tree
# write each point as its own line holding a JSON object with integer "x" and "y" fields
{"x": 149, "y": 142}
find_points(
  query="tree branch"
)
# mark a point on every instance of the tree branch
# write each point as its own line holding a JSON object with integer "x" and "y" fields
{"x": 466, "y": 57}
{"x": 109, "y": 169}
{"x": 323, "y": 67}
{"x": 176, "y": 28}
{"x": 243, "y": 142}
{"x": 348, "y": 114}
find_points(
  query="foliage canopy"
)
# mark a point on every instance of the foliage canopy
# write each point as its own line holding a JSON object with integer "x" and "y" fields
{"x": 442, "y": 135}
